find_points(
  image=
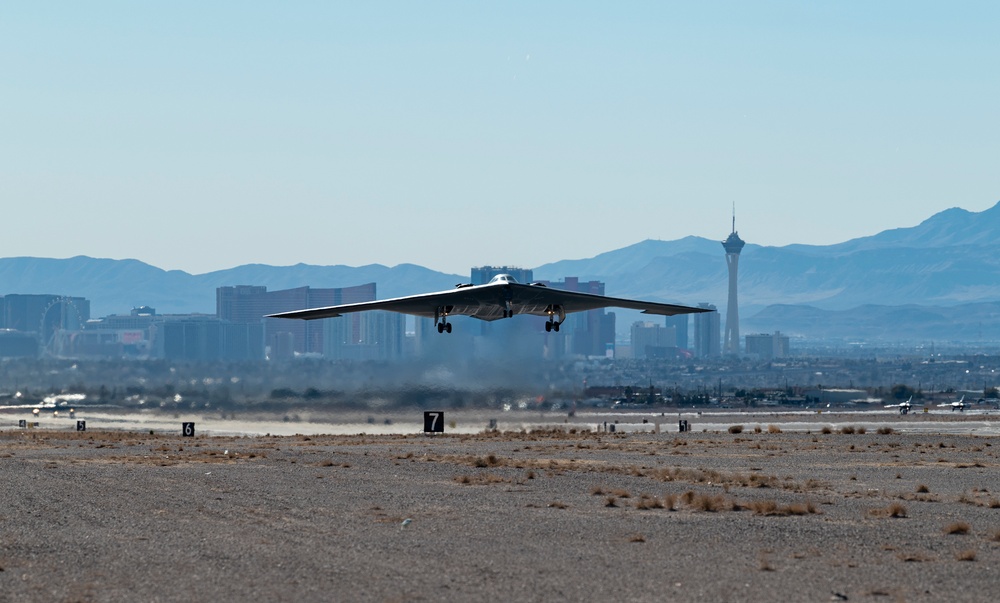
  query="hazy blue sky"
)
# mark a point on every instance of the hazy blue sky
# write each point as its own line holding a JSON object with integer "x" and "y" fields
{"x": 203, "y": 135}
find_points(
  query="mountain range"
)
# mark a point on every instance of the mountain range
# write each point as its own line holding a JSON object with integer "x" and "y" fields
{"x": 937, "y": 280}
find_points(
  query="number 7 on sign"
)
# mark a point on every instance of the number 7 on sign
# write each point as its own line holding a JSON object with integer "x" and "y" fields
{"x": 433, "y": 421}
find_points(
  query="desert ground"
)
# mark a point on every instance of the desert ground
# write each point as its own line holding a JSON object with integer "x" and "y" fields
{"x": 559, "y": 514}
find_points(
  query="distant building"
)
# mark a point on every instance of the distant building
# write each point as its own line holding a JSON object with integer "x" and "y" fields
{"x": 733, "y": 245}
{"x": 766, "y": 346}
{"x": 18, "y": 344}
{"x": 680, "y": 324}
{"x": 706, "y": 332}
{"x": 43, "y": 313}
{"x": 652, "y": 340}
{"x": 247, "y": 304}
{"x": 204, "y": 338}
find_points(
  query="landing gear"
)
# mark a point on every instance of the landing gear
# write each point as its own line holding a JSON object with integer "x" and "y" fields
{"x": 552, "y": 324}
{"x": 441, "y": 319}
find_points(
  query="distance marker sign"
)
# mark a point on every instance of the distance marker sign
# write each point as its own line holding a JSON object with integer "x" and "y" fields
{"x": 187, "y": 430}
{"x": 433, "y": 421}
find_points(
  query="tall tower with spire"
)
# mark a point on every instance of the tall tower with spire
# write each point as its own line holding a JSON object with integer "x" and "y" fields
{"x": 733, "y": 245}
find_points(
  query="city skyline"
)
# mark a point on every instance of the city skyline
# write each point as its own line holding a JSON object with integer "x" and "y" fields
{"x": 444, "y": 132}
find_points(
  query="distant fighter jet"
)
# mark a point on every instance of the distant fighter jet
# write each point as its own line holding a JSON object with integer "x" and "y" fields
{"x": 904, "y": 407}
{"x": 502, "y": 297}
{"x": 959, "y": 406}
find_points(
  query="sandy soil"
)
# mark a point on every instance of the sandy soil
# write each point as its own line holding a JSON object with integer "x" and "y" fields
{"x": 114, "y": 516}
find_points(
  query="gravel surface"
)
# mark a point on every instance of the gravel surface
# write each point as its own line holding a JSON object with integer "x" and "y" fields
{"x": 114, "y": 516}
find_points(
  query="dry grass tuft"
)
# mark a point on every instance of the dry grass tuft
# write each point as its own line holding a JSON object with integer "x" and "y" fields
{"x": 596, "y": 491}
{"x": 647, "y": 502}
{"x": 637, "y": 538}
{"x": 771, "y": 508}
{"x": 884, "y": 430}
{"x": 862, "y": 430}
{"x": 764, "y": 564}
{"x": 958, "y": 528}
{"x": 735, "y": 429}
{"x": 847, "y": 429}
{"x": 968, "y": 555}
{"x": 773, "y": 429}
{"x": 480, "y": 479}
{"x": 611, "y": 501}
{"x": 896, "y": 509}
{"x": 557, "y": 504}
{"x": 826, "y": 430}
{"x": 923, "y": 489}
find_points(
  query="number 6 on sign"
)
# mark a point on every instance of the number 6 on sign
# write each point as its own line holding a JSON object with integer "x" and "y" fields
{"x": 433, "y": 421}
{"x": 187, "y": 430}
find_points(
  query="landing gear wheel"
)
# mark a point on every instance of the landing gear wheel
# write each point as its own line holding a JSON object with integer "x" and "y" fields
{"x": 447, "y": 327}
{"x": 548, "y": 326}
{"x": 555, "y": 327}
{"x": 440, "y": 327}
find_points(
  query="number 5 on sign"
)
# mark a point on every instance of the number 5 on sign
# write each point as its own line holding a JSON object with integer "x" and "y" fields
{"x": 433, "y": 421}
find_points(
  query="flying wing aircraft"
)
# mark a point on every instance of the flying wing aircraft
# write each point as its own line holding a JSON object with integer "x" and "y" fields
{"x": 502, "y": 297}
{"x": 960, "y": 405}
{"x": 904, "y": 407}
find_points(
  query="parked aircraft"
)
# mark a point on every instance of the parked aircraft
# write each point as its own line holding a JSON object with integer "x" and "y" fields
{"x": 904, "y": 407}
{"x": 959, "y": 406}
{"x": 502, "y": 297}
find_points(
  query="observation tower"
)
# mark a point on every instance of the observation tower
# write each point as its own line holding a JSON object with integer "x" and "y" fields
{"x": 733, "y": 245}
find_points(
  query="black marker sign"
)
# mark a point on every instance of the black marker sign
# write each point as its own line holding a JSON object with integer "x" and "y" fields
{"x": 22, "y": 424}
{"x": 433, "y": 421}
{"x": 81, "y": 426}
{"x": 187, "y": 430}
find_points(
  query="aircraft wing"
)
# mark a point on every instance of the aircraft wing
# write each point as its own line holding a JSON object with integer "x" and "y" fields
{"x": 425, "y": 305}
{"x": 490, "y": 301}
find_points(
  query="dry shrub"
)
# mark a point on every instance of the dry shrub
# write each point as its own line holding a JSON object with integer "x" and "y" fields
{"x": 772, "y": 509}
{"x": 765, "y": 563}
{"x": 713, "y": 504}
{"x": 968, "y": 555}
{"x": 557, "y": 505}
{"x": 481, "y": 479}
{"x": 670, "y": 503}
{"x": 884, "y": 430}
{"x": 637, "y": 538}
{"x": 735, "y": 429}
{"x": 688, "y": 498}
{"x": 620, "y": 493}
{"x": 847, "y": 429}
{"x": 826, "y": 430}
{"x": 611, "y": 501}
{"x": 958, "y": 528}
{"x": 896, "y": 509}
{"x": 862, "y": 430}
{"x": 756, "y": 429}
{"x": 773, "y": 429}
{"x": 597, "y": 491}
{"x": 647, "y": 502}
{"x": 923, "y": 489}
